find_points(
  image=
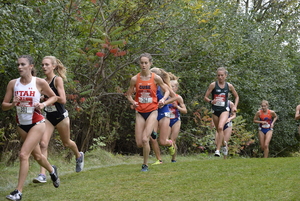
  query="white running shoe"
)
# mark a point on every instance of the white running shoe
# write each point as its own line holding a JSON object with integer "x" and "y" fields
{"x": 41, "y": 178}
{"x": 217, "y": 153}
{"x": 16, "y": 195}
{"x": 80, "y": 162}
{"x": 225, "y": 149}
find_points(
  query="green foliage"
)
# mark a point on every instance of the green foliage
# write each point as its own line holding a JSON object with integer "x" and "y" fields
{"x": 99, "y": 42}
{"x": 200, "y": 138}
{"x": 241, "y": 139}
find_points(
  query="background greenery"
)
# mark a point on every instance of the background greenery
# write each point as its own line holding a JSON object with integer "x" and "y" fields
{"x": 99, "y": 42}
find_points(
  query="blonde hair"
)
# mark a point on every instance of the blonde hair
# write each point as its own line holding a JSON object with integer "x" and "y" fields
{"x": 174, "y": 79}
{"x": 264, "y": 102}
{"x": 222, "y": 69}
{"x": 163, "y": 74}
{"x": 59, "y": 67}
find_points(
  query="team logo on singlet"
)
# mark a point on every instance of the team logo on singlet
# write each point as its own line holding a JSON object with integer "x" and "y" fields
{"x": 220, "y": 98}
{"x": 25, "y": 104}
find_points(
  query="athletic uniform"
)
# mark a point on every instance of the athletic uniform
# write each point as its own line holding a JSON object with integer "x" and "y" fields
{"x": 27, "y": 115}
{"x": 164, "y": 111}
{"x": 265, "y": 117}
{"x": 228, "y": 124}
{"x": 221, "y": 96}
{"x": 146, "y": 96}
{"x": 175, "y": 114}
{"x": 56, "y": 112}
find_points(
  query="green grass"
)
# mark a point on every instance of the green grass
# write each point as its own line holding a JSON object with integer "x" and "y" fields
{"x": 109, "y": 177}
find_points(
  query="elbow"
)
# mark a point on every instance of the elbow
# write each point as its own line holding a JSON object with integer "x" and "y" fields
{"x": 4, "y": 108}
{"x": 63, "y": 101}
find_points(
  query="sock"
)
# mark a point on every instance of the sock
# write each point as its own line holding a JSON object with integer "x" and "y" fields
{"x": 52, "y": 171}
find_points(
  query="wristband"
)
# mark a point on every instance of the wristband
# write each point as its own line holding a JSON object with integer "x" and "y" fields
{"x": 44, "y": 104}
{"x": 210, "y": 101}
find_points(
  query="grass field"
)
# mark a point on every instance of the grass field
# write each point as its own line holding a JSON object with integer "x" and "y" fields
{"x": 109, "y": 177}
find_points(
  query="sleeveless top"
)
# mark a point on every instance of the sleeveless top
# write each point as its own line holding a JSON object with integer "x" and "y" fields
{"x": 174, "y": 111}
{"x": 265, "y": 117}
{"x": 56, "y": 107}
{"x": 146, "y": 94}
{"x": 160, "y": 95}
{"x": 221, "y": 95}
{"x": 29, "y": 96}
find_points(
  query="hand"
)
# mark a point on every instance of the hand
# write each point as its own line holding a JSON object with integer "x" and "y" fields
{"x": 234, "y": 109}
{"x": 39, "y": 106}
{"x": 161, "y": 103}
{"x": 16, "y": 100}
{"x": 134, "y": 105}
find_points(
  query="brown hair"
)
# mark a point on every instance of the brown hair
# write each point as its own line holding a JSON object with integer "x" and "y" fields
{"x": 146, "y": 55}
{"x": 31, "y": 62}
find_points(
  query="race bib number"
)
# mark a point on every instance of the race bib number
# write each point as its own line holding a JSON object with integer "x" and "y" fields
{"x": 266, "y": 126}
{"x": 25, "y": 110}
{"x": 145, "y": 100}
{"x": 50, "y": 108}
{"x": 220, "y": 103}
{"x": 167, "y": 114}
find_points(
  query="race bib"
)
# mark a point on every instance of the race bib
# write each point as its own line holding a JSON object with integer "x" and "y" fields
{"x": 24, "y": 110}
{"x": 266, "y": 126}
{"x": 220, "y": 103}
{"x": 50, "y": 108}
{"x": 145, "y": 100}
{"x": 167, "y": 114}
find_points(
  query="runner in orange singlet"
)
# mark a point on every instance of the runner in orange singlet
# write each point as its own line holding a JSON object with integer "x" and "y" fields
{"x": 145, "y": 103}
{"x": 266, "y": 119}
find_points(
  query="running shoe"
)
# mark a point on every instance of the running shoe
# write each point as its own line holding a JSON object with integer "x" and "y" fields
{"x": 144, "y": 168}
{"x": 172, "y": 149}
{"x": 15, "y": 195}
{"x": 54, "y": 177}
{"x": 154, "y": 135}
{"x": 173, "y": 161}
{"x": 41, "y": 178}
{"x": 158, "y": 162}
{"x": 217, "y": 153}
{"x": 80, "y": 162}
{"x": 225, "y": 149}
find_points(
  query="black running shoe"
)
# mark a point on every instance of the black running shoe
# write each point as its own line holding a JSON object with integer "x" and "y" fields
{"x": 16, "y": 195}
{"x": 154, "y": 135}
{"x": 54, "y": 177}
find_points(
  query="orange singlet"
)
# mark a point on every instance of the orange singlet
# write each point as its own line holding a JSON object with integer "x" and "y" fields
{"x": 146, "y": 94}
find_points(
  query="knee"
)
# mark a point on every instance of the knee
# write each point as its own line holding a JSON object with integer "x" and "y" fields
{"x": 145, "y": 141}
{"x": 266, "y": 146}
{"x": 43, "y": 145}
{"x": 37, "y": 157}
{"x": 67, "y": 144}
{"x": 23, "y": 156}
{"x": 220, "y": 129}
{"x": 139, "y": 144}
